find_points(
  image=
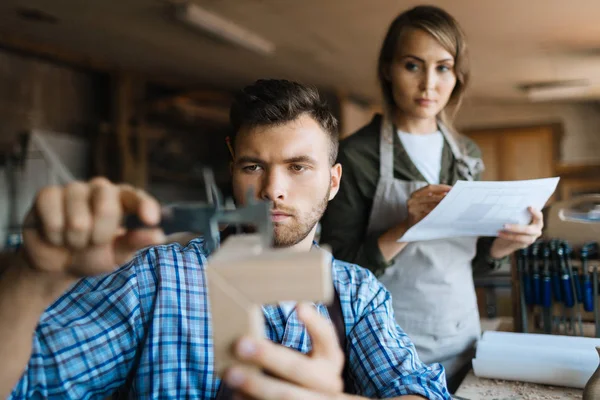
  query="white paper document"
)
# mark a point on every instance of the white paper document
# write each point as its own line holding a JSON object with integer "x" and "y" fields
{"x": 482, "y": 209}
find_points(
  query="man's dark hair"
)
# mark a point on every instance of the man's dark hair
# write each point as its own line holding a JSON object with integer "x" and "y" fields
{"x": 278, "y": 101}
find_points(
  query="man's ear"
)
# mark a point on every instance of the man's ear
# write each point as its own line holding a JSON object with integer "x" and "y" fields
{"x": 336, "y": 178}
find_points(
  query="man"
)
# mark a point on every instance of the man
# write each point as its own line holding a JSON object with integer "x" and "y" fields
{"x": 144, "y": 329}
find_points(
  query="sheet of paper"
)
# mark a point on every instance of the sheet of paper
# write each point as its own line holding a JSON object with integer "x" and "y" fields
{"x": 482, "y": 209}
{"x": 547, "y": 359}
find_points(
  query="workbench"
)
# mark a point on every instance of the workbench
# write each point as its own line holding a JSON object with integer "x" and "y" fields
{"x": 474, "y": 388}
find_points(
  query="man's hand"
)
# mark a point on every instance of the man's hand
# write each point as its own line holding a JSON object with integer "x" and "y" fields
{"x": 76, "y": 231}
{"x": 423, "y": 201}
{"x": 292, "y": 375}
{"x": 515, "y": 237}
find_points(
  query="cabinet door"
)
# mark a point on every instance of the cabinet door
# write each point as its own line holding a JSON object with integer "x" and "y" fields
{"x": 527, "y": 153}
{"x": 488, "y": 143}
{"x": 517, "y": 153}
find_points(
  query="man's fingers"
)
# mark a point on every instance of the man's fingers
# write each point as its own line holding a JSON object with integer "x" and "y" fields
{"x": 322, "y": 334}
{"x": 78, "y": 216}
{"x": 128, "y": 244}
{"x": 141, "y": 204}
{"x": 257, "y": 385}
{"x": 289, "y": 364}
{"x": 106, "y": 209}
{"x": 49, "y": 214}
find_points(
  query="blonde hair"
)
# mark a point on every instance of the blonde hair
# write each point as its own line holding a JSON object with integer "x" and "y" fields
{"x": 446, "y": 30}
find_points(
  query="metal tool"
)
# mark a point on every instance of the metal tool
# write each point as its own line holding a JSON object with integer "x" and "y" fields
{"x": 525, "y": 287}
{"x": 546, "y": 291}
{"x": 566, "y": 285}
{"x": 204, "y": 218}
{"x": 588, "y": 251}
{"x": 587, "y": 290}
{"x": 577, "y": 293}
{"x": 557, "y": 290}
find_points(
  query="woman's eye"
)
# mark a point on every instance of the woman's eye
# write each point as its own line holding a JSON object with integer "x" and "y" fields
{"x": 411, "y": 66}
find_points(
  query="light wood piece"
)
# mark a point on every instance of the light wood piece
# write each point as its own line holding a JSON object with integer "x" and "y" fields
{"x": 242, "y": 275}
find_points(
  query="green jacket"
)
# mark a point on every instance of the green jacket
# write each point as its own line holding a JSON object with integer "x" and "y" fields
{"x": 344, "y": 224}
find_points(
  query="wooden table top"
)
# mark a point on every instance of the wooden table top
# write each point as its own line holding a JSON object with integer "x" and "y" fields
{"x": 474, "y": 388}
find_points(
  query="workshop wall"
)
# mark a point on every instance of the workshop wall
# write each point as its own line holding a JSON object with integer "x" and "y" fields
{"x": 581, "y": 123}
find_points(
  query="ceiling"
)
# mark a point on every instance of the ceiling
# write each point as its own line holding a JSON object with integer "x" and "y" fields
{"x": 330, "y": 43}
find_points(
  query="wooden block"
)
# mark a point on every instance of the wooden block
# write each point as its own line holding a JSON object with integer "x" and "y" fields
{"x": 232, "y": 316}
{"x": 281, "y": 276}
{"x": 242, "y": 275}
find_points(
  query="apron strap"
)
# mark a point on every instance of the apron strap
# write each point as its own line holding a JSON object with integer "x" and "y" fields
{"x": 386, "y": 148}
{"x": 468, "y": 166}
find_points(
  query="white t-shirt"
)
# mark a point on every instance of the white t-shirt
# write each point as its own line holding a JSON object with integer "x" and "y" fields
{"x": 425, "y": 151}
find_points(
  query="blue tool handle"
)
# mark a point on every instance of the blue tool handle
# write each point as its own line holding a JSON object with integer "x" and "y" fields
{"x": 556, "y": 290}
{"x": 567, "y": 290}
{"x": 527, "y": 289}
{"x": 578, "y": 287}
{"x": 537, "y": 289}
{"x": 547, "y": 292}
{"x": 588, "y": 295}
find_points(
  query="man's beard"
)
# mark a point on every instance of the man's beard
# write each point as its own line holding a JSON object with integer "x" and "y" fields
{"x": 287, "y": 235}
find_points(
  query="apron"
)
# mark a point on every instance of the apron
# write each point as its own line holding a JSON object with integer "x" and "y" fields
{"x": 431, "y": 282}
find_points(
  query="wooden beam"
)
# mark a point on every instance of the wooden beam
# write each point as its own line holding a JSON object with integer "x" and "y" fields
{"x": 60, "y": 55}
{"x": 52, "y": 53}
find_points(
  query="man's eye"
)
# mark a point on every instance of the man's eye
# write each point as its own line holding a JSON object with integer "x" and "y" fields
{"x": 297, "y": 168}
{"x": 251, "y": 168}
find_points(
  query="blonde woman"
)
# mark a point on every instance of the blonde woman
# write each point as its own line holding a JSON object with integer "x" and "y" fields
{"x": 397, "y": 169}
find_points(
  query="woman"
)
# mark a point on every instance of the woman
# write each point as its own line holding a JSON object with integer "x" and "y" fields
{"x": 396, "y": 170}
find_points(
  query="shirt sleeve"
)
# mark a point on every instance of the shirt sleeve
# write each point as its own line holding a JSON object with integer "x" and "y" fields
{"x": 383, "y": 360}
{"x": 86, "y": 342}
{"x": 345, "y": 222}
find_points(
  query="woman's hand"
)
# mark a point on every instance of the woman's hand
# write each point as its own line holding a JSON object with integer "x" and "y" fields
{"x": 514, "y": 237}
{"x": 424, "y": 200}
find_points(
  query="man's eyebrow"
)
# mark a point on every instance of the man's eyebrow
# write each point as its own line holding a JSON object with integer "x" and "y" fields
{"x": 300, "y": 159}
{"x": 248, "y": 160}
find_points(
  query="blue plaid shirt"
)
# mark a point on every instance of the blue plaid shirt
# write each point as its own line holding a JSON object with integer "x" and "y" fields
{"x": 154, "y": 310}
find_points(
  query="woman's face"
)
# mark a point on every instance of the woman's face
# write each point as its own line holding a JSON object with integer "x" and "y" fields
{"x": 422, "y": 75}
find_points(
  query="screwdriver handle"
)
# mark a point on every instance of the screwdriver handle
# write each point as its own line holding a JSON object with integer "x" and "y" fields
{"x": 556, "y": 287}
{"x": 547, "y": 292}
{"x": 578, "y": 287}
{"x": 588, "y": 295}
{"x": 537, "y": 288}
{"x": 528, "y": 291}
{"x": 567, "y": 290}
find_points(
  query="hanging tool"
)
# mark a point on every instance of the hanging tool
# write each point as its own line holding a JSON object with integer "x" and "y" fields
{"x": 536, "y": 276}
{"x": 566, "y": 285}
{"x": 588, "y": 251}
{"x": 523, "y": 256}
{"x": 555, "y": 272}
{"x": 557, "y": 290}
{"x": 575, "y": 286}
{"x": 546, "y": 291}
{"x": 586, "y": 288}
{"x": 525, "y": 287}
